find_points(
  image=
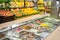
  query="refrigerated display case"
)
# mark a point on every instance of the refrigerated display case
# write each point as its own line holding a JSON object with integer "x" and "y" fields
{"x": 36, "y": 29}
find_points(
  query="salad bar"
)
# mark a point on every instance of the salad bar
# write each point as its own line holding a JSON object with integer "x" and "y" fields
{"x": 36, "y": 29}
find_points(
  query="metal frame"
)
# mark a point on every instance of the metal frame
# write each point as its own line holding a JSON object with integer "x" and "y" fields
{"x": 54, "y": 10}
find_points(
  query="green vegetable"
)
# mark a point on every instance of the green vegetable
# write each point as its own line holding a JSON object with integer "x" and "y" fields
{"x": 4, "y": 1}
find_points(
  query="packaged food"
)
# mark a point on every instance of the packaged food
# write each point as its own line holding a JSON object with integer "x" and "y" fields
{"x": 2, "y": 35}
{"x": 35, "y": 23}
{"x": 6, "y": 39}
{"x": 33, "y": 30}
{"x": 38, "y": 37}
{"x": 39, "y": 21}
{"x": 30, "y": 38}
{"x": 26, "y": 27}
{"x": 32, "y": 25}
{"x": 44, "y": 25}
{"x": 44, "y": 34}
{"x": 16, "y": 34}
{"x": 24, "y": 33}
{"x": 14, "y": 38}
{"x": 49, "y": 24}
{"x": 18, "y": 30}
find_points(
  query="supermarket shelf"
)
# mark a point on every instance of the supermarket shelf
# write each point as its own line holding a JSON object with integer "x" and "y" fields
{"x": 16, "y": 7}
{"x": 21, "y": 20}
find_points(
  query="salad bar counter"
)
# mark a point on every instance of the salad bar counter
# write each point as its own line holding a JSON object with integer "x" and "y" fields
{"x": 36, "y": 29}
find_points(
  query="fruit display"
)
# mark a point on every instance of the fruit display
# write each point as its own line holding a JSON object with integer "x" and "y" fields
{"x": 19, "y": 8}
{"x": 17, "y": 13}
{"x": 23, "y": 11}
{"x": 34, "y": 30}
